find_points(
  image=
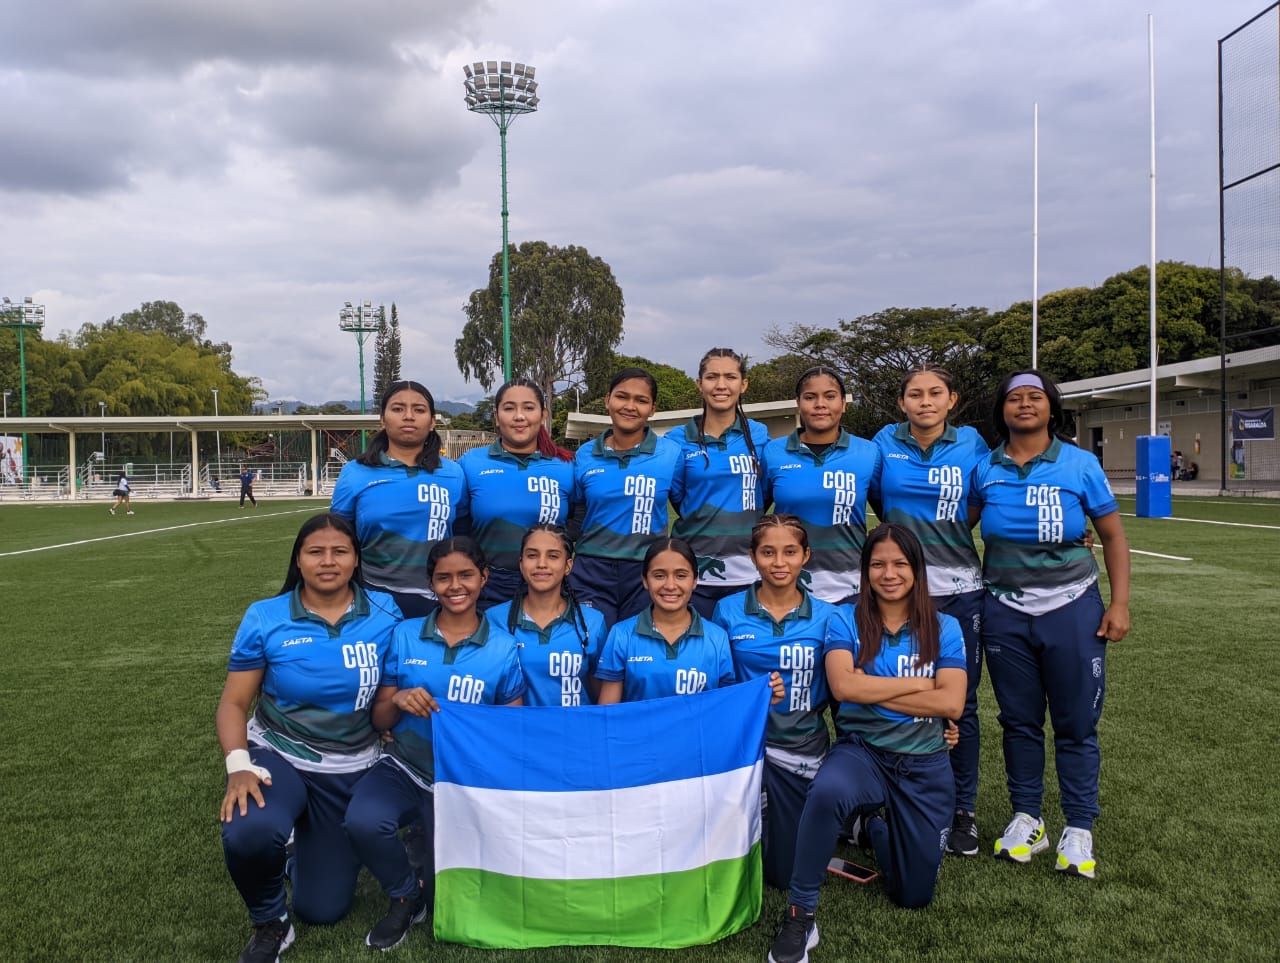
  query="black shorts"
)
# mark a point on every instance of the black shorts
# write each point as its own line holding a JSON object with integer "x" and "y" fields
{"x": 120, "y": 493}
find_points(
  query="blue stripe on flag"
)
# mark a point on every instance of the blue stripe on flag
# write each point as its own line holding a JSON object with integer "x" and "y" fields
{"x": 554, "y": 749}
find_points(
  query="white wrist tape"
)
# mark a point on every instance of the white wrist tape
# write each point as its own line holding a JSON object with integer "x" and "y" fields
{"x": 238, "y": 761}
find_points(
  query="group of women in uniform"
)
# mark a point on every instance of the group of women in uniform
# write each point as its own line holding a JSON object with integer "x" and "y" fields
{"x": 433, "y": 581}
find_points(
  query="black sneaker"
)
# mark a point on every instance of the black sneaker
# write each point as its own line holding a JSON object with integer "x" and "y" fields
{"x": 964, "y": 834}
{"x": 269, "y": 940}
{"x": 394, "y": 927}
{"x": 797, "y": 935}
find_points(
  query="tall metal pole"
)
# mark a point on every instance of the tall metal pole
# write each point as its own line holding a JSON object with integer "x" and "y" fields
{"x": 506, "y": 267}
{"x": 504, "y": 91}
{"x": 1151, "y": 57}
{"x": 20, "y": 317}
{"x": 1035, "y": 236}
{"x": 217, "y": 432}
{"x": 102, "y": 411}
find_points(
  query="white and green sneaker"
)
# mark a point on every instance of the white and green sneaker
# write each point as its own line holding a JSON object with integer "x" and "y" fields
{"x": 1022, "y": 839}
{"x": 1075, "y": 852}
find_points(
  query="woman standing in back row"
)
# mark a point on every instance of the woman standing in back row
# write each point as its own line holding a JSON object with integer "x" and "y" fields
{"x": 403, "y": 497}
{"x": 924, "y": 486}
{"x": 522, "y": 479}
{"x": 1044, "y": 625}
{"x": 717, "y": 488}
{"x": 623, "y": 479}
{"x": 823, "y": 474}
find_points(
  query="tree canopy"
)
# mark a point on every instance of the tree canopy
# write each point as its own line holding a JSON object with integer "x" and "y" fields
{"x": 386, "y": 352}
{"x": 566, "y": 318}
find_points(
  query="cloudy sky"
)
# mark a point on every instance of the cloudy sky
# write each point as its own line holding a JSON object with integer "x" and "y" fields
{"x": 739, "y": 164}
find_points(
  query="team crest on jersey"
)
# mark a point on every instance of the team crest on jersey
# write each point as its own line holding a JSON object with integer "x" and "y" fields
{"x": 1097, "y": 668}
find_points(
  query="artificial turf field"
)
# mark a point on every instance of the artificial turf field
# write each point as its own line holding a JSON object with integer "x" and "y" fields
{"x": 110, "y": 776}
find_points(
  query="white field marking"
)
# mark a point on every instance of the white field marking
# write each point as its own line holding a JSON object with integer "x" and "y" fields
{"x": 1138, "y": 551}
{"x": 1208, "y": 521}
{"x": 154, "y": 531}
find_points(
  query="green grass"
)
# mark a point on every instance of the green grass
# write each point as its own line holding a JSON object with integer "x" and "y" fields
{"x": 110, "y": 776}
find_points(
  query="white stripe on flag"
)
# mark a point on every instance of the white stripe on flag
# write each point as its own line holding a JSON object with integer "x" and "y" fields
{"x": 641, "y": 831}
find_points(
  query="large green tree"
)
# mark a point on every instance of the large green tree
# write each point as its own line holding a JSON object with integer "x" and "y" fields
{"x": 875, "y": 350}
{"x": 566, "y": 318}
{"x": 386, "y": 351}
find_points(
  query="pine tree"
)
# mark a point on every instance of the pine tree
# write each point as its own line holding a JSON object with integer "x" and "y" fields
{"x": 393, "y": 346}
{"x": 380, "y": 350}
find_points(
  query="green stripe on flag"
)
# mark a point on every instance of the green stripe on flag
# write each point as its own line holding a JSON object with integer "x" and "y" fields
{"x": 669, "y": 910}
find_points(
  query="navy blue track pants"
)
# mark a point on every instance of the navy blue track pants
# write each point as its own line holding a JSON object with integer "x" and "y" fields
{"x": 967, "y": 610}
{"x": 917, "y": 793}
{"x": 311, "y": 805}
{"x": 1054, "y": 659}
{"x": 386, "y": 801}
{"x": 610, "y": 586}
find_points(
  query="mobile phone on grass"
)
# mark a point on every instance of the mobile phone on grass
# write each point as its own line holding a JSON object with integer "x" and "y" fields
{"x": 850, "y": 870}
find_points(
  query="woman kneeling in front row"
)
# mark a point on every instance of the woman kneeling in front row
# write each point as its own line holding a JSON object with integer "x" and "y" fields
{"x": 897, "y": 667}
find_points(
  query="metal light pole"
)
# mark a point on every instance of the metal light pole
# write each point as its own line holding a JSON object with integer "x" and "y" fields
{"x": 102, "y": 410}
{"x": 504, "y": 93}
{"x": 362, "y": 322}
{"x": 217, "y": 433}
{"x": 22, "y": 318}
{"x": 7, "y": 393}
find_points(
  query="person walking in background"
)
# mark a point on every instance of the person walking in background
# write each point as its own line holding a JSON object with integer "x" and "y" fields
{"x": 122, "y": 495}
{"x": 247, "y": 478}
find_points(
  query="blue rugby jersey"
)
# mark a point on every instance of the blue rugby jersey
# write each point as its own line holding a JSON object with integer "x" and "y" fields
{"x": 400, "y": 512}
{"x": 482, "y": 669}
{"x": 318, "y": 679}
{"x": 625, "y": 495}
{"x": 796, "y": 738}
{"x": 829, "y": 494}
{"x": 897, "y": 659}
{"x": 928, "y": 492}
{"x": 637, "y": 655}
{"x": 718, "y": 493}
{"x": 1034, "y": 519}
{"x": 556, "y": 660}
{"x": 509, "y": 493}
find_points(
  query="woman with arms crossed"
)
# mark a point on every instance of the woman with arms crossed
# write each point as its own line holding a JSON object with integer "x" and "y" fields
{"x": 717, "y": 487}
{"x": 823, "y": 474}
{"x": 452, "y": 655}
{"x": 522, "y": 479}
{"x": 622, "y": 479}
{"x": 924, "y": 485}
{"x": 403, "y": 496}
{"x": 776, "y": 628}
{"x": 897, "y": 667}
{"x": 311, "y": 658}
{"x": 558, "y": 641}
{"x": 1044, "y": 625}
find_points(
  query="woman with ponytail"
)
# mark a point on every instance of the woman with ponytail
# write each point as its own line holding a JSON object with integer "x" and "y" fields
{"x": 717, "y": 484}
{"x": 522, "y": 479}
{"x": 403, "y": 497}
{"x": 558, "y": 640}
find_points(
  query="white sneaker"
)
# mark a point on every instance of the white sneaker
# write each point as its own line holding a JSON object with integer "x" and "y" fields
{"x": 1075, "y": 852}
{"x": 111, "y": 510}
{"x": 1022, "y": 839}
{"x": 128, "y": 513}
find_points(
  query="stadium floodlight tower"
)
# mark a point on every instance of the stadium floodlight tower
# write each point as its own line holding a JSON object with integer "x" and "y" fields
{"x": 504, "y": 91}
{"x": 22, "y": 318}
{"x": 361, "y": 321}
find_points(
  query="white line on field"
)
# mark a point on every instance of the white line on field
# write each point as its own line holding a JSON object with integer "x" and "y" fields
{"x": 1176, "y": 558}
{"x": 1207, "y": 521}
{"x": 153, "y": 531}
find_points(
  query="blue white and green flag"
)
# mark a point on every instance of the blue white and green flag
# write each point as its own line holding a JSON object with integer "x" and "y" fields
{"x": 627, "y": 825}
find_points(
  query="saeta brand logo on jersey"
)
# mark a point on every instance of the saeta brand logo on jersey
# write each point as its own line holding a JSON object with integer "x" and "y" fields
{"x": 691, "y": 454}
{"x": 300, "y": 640}
{"x": 493, "y": 471}
{"x": 793, "y": 465}
{"x": 898, "y": 454}
{"x": 640, "y": 658}
{"x": 415, "y": 662}
{"x": 592, "y": 471}
{"x": 746, "y": 635}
